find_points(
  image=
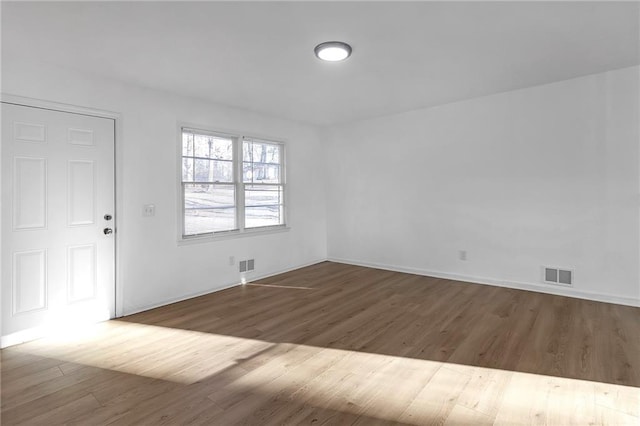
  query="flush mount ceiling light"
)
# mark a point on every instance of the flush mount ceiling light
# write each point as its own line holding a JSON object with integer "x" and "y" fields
{"x": 333, "y": 51}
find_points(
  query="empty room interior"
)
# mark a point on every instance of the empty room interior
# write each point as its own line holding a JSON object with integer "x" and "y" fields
{"x": 322, "y": 213}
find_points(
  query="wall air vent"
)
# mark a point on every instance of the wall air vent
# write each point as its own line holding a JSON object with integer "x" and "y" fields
{"x": 557, "y": 276}
{"x": 247, "y": 265}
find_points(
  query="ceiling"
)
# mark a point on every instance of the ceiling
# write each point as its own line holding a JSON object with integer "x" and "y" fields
{"x": 259, "y": 56}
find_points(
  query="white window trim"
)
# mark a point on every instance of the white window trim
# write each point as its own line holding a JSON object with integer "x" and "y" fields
{"x": 241, "y": 232}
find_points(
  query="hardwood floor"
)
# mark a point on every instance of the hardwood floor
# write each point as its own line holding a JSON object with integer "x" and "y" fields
{"x": 339, "y": 344}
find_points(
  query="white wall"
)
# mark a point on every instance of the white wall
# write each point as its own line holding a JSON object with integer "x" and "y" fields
{"x": 154, "y": 269}
{"x": 541, "y": 176}
{"x": 547, "y": 175}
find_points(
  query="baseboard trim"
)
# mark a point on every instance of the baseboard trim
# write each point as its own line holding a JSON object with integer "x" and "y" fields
{"x": 23, "y": 336}
{"x": 165, "y": 302}
{"x": 540, "y": 288}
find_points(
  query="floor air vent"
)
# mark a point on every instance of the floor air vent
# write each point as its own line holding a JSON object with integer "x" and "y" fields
{"x": 558, "y": 276}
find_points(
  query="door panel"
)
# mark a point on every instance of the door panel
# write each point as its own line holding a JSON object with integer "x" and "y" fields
{"x": 29, "y": 193}
{"x": 58, "y": 266}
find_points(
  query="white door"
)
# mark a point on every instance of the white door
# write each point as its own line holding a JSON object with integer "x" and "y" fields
{"x": 58, "y": 260}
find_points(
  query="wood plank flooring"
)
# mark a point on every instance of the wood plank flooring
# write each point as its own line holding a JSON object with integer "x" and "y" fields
{"x": 338, "y": 344}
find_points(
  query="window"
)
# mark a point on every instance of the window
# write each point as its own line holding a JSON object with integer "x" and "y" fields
{"x": 230, "y": 183}
{"x": 263, "y": 183}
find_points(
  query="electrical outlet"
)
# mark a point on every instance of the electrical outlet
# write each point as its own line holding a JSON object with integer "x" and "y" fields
{"x": 462, "y": 255}
{"x": 232, "y": 260}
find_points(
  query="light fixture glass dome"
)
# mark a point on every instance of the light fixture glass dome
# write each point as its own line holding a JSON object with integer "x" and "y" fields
{"x": 333, "y": 51}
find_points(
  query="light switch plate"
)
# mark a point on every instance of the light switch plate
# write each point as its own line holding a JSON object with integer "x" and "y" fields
{"x": 149, "y": 210}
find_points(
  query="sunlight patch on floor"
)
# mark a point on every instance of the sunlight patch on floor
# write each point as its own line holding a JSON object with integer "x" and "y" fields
{"x": 181, "y": 356}
{"x": 271, "y": 376}
{"x": 417, "y": 391}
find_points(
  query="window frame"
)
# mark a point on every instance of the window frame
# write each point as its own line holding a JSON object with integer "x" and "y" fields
{"x": 238, "y": 184}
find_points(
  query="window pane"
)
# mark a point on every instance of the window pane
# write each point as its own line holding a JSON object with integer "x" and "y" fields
{"x": 261, "y": 173}
{"x": 266, "y": 173}
{"x": 223, "y": 149}
{"x": 208, "y": 208}
{"x": 263, "y": 216}
{"x": 202, "y": 169}
{"x": 203, "y": 196}
{"x": 213, "y": 171}
{"x": 247, "y": 172}
{"x": 213, "y": 147}
{"x": 187, "y": 144}
{"x": 261, "y": 162}
{"x": 246, "y": 151}
{"x": 259, "y": 195}
{"x": 273, "y": 154}
{"x": 261, "y": 152}
{"x": 265, "y": 153}
{"x": 222, "y": 171}
{"x": 213, "y": 220}
{"x": 187, "y": 169}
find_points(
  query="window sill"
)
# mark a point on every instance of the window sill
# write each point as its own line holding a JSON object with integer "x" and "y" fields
{"x": 231, "y": 235}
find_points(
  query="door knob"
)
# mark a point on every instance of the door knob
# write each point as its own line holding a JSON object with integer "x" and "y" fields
{"x": 107, "y": 231}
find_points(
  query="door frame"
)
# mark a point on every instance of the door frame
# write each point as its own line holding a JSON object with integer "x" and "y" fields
{"x": 118, "y": 174}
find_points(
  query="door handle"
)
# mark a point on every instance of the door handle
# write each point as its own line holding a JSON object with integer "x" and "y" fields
{"x": 107, "y": 231}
